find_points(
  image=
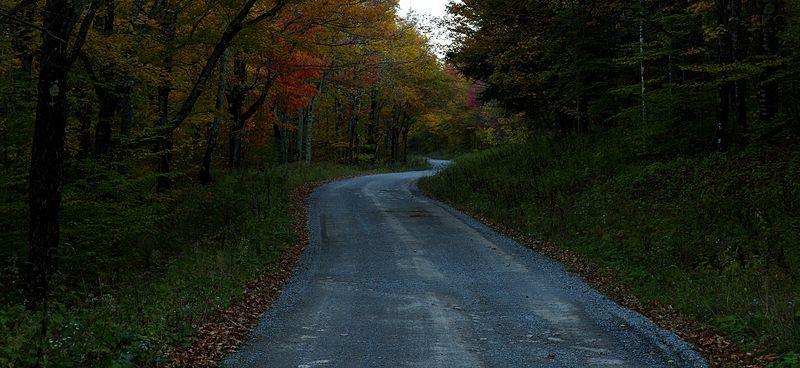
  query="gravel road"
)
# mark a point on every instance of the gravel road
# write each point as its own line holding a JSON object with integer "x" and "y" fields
{"x": 393, "y": 278}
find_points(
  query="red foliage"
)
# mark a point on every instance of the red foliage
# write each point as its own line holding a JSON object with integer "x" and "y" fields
{"x": 472, "y": 97}
{"x": 298, "y": 74}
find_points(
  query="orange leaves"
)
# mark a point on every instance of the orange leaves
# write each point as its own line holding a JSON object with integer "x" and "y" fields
{"x": 297, "y": 74}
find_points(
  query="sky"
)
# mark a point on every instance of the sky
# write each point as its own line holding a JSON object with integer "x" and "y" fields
{"x": 431, "y": 7}
{"x": 435, "y": 8}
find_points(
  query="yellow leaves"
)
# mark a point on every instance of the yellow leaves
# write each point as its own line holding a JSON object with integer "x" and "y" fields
{"x": 695, "y": 51}
{"x": 108, "y": 51}
{"x": 711, "y": 34}
{"x": 701, "y": 7}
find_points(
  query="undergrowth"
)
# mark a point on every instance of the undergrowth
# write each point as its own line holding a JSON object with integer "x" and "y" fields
{"x": 136, "y": 269}
{"x": 715, "y": 235}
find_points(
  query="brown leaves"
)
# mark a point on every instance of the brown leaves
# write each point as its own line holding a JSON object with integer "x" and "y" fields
{"x": 224, "y": 332}
{"x": 715, "y": 348}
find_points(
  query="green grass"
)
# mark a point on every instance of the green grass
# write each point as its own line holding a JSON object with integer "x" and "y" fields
{"x": 137, "y": 269}
{"x": 714, "y": 235}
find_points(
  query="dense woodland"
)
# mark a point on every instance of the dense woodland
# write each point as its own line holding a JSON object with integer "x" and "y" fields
{"x": 707, "y": 74}
{"x": 658, "y": 137}
{"x": 154, "y": 142}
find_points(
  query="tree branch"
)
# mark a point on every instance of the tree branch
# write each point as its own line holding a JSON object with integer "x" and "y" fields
{"x": 12, "y": 16}
{"x": 233, "y": 28}
{"x": 269, "y": 14}
{"x": 80, "y": 39}
{"x": 260, "y": 101}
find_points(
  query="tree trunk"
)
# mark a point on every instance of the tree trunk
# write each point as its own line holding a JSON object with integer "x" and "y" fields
{"x": 374, "y": 123}
{"x": 286, "y": 144}
{"x": 164, "y": 141}
{"x": 22, "y": 41}
{"x": 84, "y": 116}
{"x": 235, "y": 108}
{"x": 739, "y": 50}
{"x": 47, "y": 152}
{"x": 768, "y": 88}
{"x": 641, "y": 64}
{"x": 723, "y": 116}
{"x": 127, "y": 116}
{"x": 108, "y": 108}
{"x": 724, "y": 94}
{"x": 337, "y": 115}
{"x": 276, "y": 131}
{"x": 204, "y": 176}
{"x": 310, "y": 118}
{"x": 281, "y": 136}
{"x": 394, "y": 134}
{"x": 109, "y": 101}
{"x": 126, "y": 121}
{"x": 404, "y": 133}
{"x": 352, "y": 134}
{"x": 299, "y": 136}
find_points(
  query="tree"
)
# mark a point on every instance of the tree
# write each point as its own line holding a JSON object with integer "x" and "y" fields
{"x": 169, "y": 124}
{"x": 64, "y": 34}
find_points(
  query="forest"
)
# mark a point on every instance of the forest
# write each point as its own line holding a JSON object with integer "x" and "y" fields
{"x": 658, "y": 138}
{"x": 157, "y": 142}
{"x": 151, "y": 149}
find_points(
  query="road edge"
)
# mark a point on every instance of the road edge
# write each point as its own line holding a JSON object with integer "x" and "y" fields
{"x": 717, "y": 350}
{"x": 224, "y": 332}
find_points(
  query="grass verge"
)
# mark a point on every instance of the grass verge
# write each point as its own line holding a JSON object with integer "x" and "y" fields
{"x": 139, "y": 272}
{"x": 713, "y": 237}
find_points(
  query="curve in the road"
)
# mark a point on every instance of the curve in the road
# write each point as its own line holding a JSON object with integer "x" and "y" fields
{"x": 393, "y": 278}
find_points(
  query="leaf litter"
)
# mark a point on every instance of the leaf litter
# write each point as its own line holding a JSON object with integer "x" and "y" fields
{"x": 222, "y": 333}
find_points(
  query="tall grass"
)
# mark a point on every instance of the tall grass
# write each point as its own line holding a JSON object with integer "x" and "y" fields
{"x": 716, "y": 236}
